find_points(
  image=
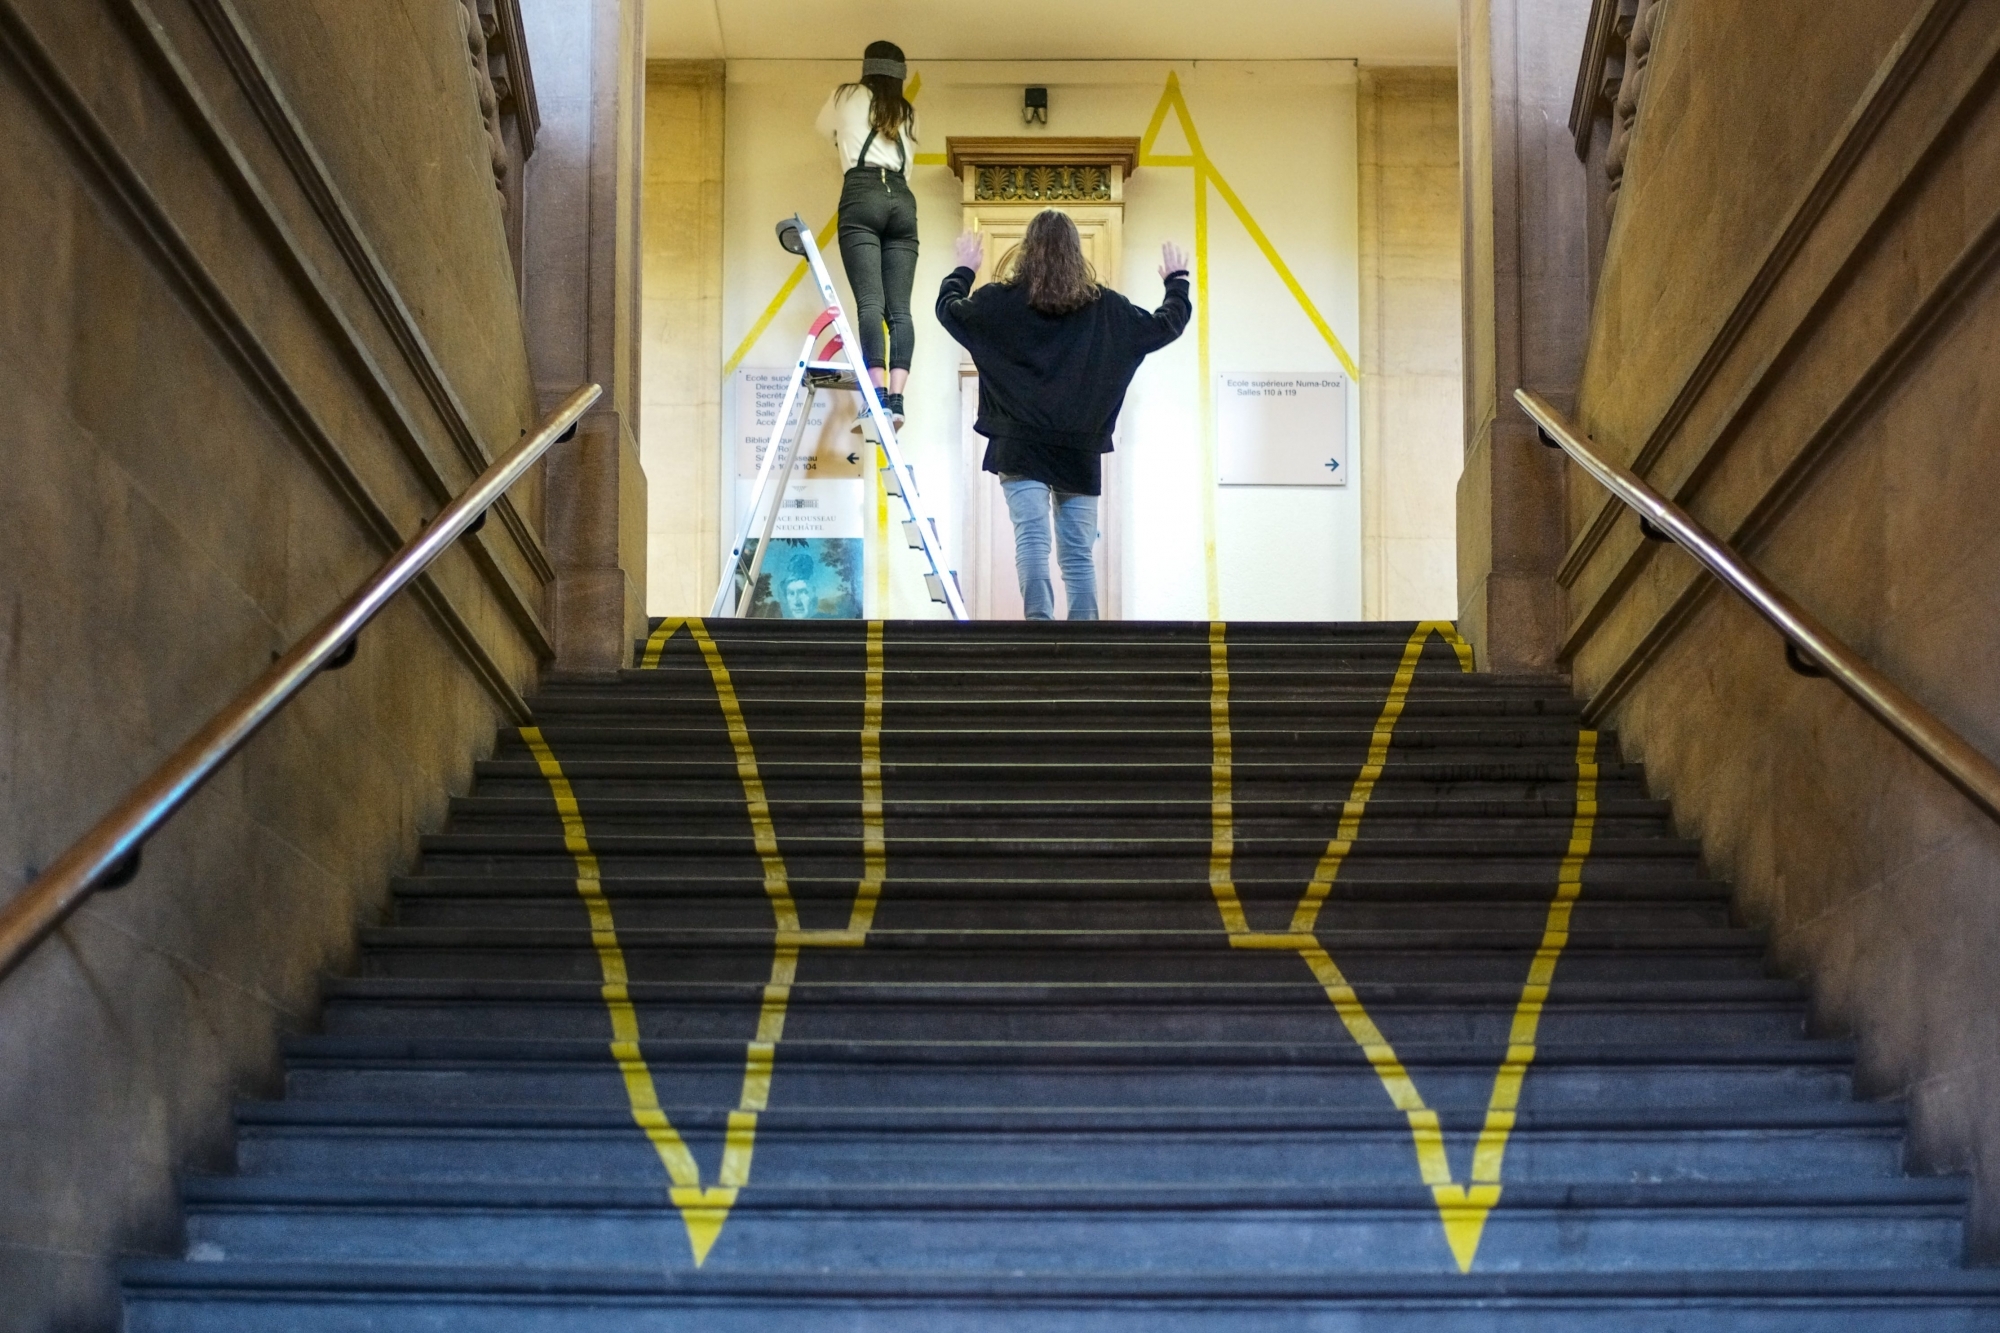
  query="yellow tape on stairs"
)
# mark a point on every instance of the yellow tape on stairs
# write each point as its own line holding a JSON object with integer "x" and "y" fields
{"x": 705, "y": 1209}
{"x": 1462, "y": 1207}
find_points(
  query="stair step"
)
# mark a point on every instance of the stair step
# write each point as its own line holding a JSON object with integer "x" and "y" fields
{"x": 1259, "y": 1228}
{"x": 1304, "y": 1015}
{"x": 689, "y": 701}
{"x": 1042, "y": 858}
{"x": 337, "y": 1298}
{"x": 1252, "y": 776}
{"x": 1191, "y": 744}
{"x": 1038, "y": 914}
{"x": 854, "y": 1074}
{"x": 941, "y": 1147}
{"x": 1348, "y": 889}
{"x": 1296, "y": 1010}
{"x": 1059, "y": 956}
{"x": 929, "y": 821}
{"x": 1323, "y": 813}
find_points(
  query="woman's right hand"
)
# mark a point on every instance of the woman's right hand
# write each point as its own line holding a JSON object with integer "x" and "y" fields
{"x": 1173, "y": 259}
{"x": 970, "y": 251}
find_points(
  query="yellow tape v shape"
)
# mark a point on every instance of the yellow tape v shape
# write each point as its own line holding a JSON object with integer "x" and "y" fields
{"x": 705, "y": 1208}
{"x": 1462, "y": 1207}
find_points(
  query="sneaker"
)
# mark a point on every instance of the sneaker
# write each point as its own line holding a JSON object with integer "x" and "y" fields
{"x": 892, "y": 403}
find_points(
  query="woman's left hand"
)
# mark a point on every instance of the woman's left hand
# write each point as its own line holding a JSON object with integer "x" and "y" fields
{"x": 970, "y": 251}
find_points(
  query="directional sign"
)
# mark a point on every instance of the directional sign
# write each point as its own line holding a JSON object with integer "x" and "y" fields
{"x": 830, "y": 450}
{"x": 1279, "y": 429}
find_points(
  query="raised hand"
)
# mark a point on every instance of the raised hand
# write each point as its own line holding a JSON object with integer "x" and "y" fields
{"x": 970, "y": 250}
{"x": 1173, "y": 259}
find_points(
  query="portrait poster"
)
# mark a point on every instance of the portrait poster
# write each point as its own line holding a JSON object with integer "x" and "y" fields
{"x": 808, "y": 578}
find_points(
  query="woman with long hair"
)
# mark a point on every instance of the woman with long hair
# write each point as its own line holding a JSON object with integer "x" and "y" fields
{"x": 874, "y": 130}
{"x": 1055, "y": 351}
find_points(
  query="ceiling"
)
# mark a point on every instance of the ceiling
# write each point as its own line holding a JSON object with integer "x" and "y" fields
{"x": 1386, "y": 31}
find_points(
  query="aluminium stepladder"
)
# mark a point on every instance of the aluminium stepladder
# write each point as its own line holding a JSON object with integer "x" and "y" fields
{"x": 816, "y": 369}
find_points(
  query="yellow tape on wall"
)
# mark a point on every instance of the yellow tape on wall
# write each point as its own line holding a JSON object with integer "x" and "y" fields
{"x": 1462, "y": 1208}
{"x": 704, "y": 1210}
{"x": 1206, "y": 175}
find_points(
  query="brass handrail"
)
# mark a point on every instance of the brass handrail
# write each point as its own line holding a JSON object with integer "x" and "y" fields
{"x": 111, "y": 849}
{"x": 1916, "y": 726}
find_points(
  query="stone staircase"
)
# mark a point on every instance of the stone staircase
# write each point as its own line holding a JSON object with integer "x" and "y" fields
{"x": 1106, "y": 977}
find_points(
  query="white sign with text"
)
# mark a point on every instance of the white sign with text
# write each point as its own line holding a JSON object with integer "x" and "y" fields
{"x": 1279, "y": 429}
{"x": 827, "y": 493}
{"x": 831, "y": 449}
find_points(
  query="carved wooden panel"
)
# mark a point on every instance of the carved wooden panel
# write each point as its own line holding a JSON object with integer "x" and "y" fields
{"x": 1041, "y": 184}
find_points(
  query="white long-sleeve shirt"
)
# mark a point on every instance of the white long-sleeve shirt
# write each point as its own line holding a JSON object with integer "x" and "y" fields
{"x": 844, "y": 120}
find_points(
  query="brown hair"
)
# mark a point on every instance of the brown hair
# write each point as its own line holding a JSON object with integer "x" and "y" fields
{"x": 888, "y": 109}
{"x": 1050, "y": 261}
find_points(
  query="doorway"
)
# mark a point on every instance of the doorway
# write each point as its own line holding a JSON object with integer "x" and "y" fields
{"x": 1004, "y": 183}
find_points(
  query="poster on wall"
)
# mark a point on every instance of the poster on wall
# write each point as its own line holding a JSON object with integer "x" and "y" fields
{"x": 813, "y": 571}
{"x": 1281, "y": 429}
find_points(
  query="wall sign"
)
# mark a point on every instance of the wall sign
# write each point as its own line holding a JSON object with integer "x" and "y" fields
{"x": 759, "y": 395}
{"x": 1280, "y": 429}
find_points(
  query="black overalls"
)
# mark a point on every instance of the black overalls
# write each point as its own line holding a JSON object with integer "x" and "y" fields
{"x": 878, "y": 246}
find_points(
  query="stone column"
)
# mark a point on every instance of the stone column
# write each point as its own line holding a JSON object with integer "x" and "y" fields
{"x": 1527, "y": 314}
{"x": 685, "y": 102}
{"x": 1412, "y": 377}
{"x": 582, "y": 314}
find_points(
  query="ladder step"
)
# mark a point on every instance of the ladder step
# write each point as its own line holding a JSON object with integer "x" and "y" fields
{"x": 831, "y": 375}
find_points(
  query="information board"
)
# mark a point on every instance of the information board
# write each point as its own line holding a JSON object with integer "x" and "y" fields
{"x": 814, "y": 569}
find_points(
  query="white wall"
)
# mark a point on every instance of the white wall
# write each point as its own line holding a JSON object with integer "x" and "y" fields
{"x": 1283, "y": 134}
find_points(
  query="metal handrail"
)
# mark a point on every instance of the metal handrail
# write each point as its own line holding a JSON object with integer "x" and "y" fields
{"x": 108, "y": 854}
{"x": 1916, "y": 726}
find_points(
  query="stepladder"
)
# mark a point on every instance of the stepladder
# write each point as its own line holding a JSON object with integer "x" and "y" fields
{"x": 830, "y": 361}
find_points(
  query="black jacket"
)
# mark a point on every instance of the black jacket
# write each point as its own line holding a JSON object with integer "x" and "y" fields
{"x": 1055, "y": 379}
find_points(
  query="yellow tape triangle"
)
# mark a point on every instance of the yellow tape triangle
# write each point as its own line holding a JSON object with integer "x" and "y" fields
{"x": 1463, "y": 1208}
{"x": 705, "y": 1209}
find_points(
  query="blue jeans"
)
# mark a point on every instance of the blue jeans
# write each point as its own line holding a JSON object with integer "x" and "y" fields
{"x": 1076, "y": 534}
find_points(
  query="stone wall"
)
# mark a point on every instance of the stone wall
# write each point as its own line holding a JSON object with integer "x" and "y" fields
{"x": 1411, "y": 399}
{"x": 258, "y": 317}
{"x": 1793, "y": 335}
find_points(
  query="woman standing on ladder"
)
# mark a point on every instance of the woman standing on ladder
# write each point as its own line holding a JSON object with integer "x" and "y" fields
{"x": 874, "y": 130}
